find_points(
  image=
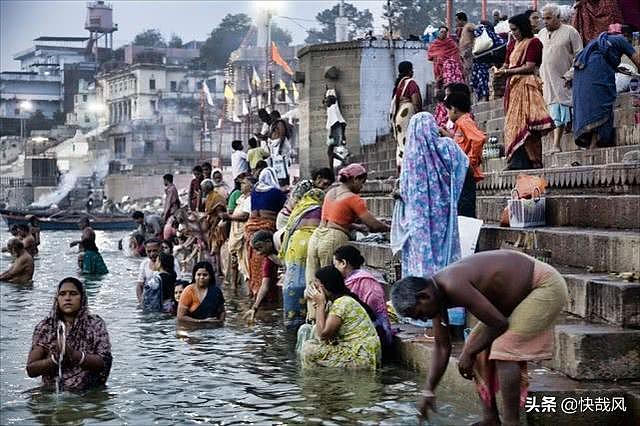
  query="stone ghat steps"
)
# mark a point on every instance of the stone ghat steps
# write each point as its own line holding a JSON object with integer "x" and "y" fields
{"x": 414, "y": 352}
{"x": 495, "y": 108}
{"x": 590, "y": 211}
{"x": 584, "y": 157}
{"x": 614, "y": 178}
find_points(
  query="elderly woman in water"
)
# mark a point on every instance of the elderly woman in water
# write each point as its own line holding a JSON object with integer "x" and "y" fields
{"x": 83, "y": 349}
{"x": 202, "y": 300}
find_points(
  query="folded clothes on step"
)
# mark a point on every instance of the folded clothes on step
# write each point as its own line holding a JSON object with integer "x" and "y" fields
{"x": 374, "y": 237}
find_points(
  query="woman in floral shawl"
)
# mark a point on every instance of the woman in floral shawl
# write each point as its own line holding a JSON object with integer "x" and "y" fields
{"x": 304, "y": 219}
{"x": 425, "y": 218}
{"x": 86, "y": 360}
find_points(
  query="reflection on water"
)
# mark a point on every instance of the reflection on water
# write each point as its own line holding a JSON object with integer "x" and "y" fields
{"x": 163, "y": 375}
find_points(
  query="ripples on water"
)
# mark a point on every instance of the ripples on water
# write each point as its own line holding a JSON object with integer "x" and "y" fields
{"x": 227, "y": 375}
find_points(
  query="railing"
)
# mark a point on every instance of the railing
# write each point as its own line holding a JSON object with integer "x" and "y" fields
{"x": 14, "y": 182}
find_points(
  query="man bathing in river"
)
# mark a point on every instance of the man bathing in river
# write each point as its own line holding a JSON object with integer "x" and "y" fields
{"x": 23, "y": 233}
{"x": 21, "y": 270}
{"x": 516, "y": 299}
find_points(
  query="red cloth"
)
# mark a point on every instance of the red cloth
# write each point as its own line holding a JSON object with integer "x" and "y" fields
{"x": 533, "y": 54}
{"x": 412, "y": 89}
{"x": 439, "y": 51}
{"x": 594, "y": 16}
{"x": 195, "y": 203}
{"x": 270, "y": 271}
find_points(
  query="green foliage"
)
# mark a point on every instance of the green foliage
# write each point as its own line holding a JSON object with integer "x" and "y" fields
{"x": 150, "y": 38}
{"x": 228, "y": 36}
{"x": 360, "y": 21}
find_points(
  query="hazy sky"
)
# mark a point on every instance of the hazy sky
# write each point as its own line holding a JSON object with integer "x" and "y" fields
{"x": 23, "y": 20}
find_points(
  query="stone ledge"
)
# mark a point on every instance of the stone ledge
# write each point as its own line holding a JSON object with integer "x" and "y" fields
{"x": 359, "y": 44}
{"x": 595, "y": 352}
{"x": 596, "y": 250}
{"x": 568, "y": 177}
{"x": 592, "y": 211}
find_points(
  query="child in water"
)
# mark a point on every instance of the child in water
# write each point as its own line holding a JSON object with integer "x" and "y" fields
{"x": 178, "y": 288}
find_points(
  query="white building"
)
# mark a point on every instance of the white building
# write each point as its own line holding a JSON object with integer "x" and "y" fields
{"x": 86, "y": 109}
{"x": 24, "y": 92}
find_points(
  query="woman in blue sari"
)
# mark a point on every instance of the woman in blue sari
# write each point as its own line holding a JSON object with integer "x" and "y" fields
{"x": 425, "y": 218}
{"x": 594, "y": 87}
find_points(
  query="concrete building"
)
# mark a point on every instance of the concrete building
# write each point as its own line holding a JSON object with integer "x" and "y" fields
{"x": 41, "y": 92}
{"x": 362, "y": 73}
{"x": 150, "y": 110}
{"x": 86, "y": 110}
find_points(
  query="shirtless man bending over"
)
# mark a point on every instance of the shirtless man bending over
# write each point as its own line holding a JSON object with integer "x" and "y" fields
{"x": 516, "y": 299}
{"x": 21, "y": 271}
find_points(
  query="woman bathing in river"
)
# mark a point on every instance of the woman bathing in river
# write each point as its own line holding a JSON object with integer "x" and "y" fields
{"x": 202, "y": 301}
{"x": 87, "y": 353}
{"x": 344, "y": 335}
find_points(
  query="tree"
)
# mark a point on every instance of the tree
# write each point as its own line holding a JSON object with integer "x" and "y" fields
{"x": 359, "y": 21}
{"x": 175, "y": 41}
{"x": 150, "y": 38}
{"x": 411, "y": 17}
{"x": 224, "y": 39}
{"x": 228, "y": 36}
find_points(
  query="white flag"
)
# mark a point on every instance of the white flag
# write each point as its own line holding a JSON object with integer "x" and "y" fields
{"x": 207, "y": 92}
{"x": 245, "y": 108}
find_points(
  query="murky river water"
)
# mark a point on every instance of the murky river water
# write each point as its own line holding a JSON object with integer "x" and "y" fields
{"x": 229, "y": 375}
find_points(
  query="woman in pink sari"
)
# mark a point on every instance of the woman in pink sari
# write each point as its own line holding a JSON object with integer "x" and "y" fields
{"x": 348, "y": 260}
{"x": 447, "y": 68}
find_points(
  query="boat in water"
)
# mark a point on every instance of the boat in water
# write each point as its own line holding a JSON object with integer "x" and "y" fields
{"x": 68, "y": 220}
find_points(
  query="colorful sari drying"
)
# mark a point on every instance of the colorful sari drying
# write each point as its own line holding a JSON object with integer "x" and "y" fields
{"x": 452, "y": 73}
{"x": 425, "y": 220}
{"x": 293, "y": 251}
{"x": 594, "y": 88}
{"x": 527, "y": 117}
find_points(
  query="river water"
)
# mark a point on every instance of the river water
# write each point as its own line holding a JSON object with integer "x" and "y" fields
{"x": 229, "y": 375}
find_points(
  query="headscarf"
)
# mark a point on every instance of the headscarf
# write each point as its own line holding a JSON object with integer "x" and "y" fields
{"x": 352, "y": 170}
{"x": 267, "y": 180}
{"x": 207, "y": 185}
{"x": 308, "y": 202}
{"x": 431, "y": 180}
{"x": 88, "y": 334}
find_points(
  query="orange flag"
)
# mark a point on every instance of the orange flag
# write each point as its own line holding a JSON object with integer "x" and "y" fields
{"x": 275, "y": 55}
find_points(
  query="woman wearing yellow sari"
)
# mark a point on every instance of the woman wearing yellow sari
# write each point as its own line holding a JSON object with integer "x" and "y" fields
{"x": 526, "y": 115}
{"x": 304, "y": 219}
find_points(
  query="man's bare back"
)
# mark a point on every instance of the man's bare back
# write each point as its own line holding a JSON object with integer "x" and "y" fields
{"x": 21, "y": 271}
{"x": 466, "y": 36}
{"x": 503, "y": 277}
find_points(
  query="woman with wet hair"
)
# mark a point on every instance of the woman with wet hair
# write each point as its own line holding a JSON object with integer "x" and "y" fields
{"x": 81, "y": 347}
{"x": 344, "y": 335}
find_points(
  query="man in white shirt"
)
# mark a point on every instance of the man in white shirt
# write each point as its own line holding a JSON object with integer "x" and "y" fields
{"x": 561, "y": 43}
{"x": 239, "y": 160}
{"x": 146, "y": 270}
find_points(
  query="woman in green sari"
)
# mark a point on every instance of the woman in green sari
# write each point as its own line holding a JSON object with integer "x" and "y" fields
{"x": 303, "y": 220}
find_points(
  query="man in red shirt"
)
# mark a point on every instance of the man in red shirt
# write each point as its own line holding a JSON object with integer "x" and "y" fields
{"x": 471, "y": 139}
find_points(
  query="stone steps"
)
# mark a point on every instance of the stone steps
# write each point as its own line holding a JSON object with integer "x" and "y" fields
{"x": 597, "y": 156}
{"x": 613, "y": 178}
{"x": 590, "y": 211}
{"x": 598, "y": 297}
{"x": 594, "y": 250}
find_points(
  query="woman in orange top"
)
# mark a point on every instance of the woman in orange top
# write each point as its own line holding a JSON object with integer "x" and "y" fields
{"x": 341, "y": 208}
{"x": 202, "y": 301}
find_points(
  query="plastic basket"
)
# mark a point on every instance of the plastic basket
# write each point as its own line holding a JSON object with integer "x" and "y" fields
{"x": 526, "y": 213}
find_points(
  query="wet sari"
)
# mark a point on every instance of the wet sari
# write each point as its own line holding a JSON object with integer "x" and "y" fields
{"x": 211, "y": 306}
{"x": 89, "y": 335}
{"x": 92, "y": 263}
{"x": 214, "y": 204}
{"x": 527, "y": 117}
{"x": 294, "y": 254}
